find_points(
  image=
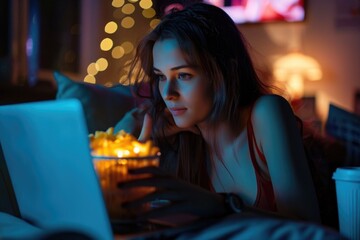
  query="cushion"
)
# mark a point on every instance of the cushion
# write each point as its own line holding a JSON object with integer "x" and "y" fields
{"x": 103, "y": 106}
{"x": 344, "y": 126}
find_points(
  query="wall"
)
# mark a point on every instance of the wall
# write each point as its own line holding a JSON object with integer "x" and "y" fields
{"x": 337, "y": 49}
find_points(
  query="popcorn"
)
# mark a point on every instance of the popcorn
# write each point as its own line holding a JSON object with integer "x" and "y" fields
{"x": 122, "y": 144}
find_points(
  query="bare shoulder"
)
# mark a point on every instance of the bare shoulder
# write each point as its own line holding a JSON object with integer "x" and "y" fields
{"x": 270, "y": 107}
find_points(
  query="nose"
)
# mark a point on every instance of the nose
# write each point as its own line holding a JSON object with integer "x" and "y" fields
{"x": 169, "y": 90}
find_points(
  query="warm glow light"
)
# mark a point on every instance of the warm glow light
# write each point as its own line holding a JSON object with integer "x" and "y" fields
{"x": 90, "y": 79}
{"x": 118, "y": 52}
{"x": 127, "y": 46}
{"x": 293, "y": 69}
{"x": 91, "y": 69}
{"x": 136, "y": 149}
{"x": 117, "y": 3}
{"x": 127, "y": 22}
{"x": 106, "y": 44}
{"x": 128, "y": 8}
{"x": 111, "y": 27}
{"x": 123, "y": 18}
{"x": 148, "y": 13}
{"x": 101, "y": 64}
{"x": 145, "y": 4}
{"x": 297, "y": 63}
{"x": 296, "y": 86}
{"x": 154, "y": 23}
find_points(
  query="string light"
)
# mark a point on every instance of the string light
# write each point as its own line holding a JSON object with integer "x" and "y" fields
{"x": 102, "y": 64}
{"x": 106, "y": 44}
{"x": 127, "y": 46}
{"x": 127, "y": 22}
{"x": 124, "y": 11}
{"x": 111, "y": 27}
{"x": 117, "y": 3}
{"x": 145, "y": 4}
{"x": 149, "y": 13}
{"x": 91, "y": 69}
{"x": 128, "y": 9}
{"x": 118, "y": 52}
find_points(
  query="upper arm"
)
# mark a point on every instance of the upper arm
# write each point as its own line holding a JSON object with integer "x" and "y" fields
{"x": 280, "y": 140}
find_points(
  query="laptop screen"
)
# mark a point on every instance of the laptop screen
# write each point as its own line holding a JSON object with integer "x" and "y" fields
{"x": 46, "y": 148}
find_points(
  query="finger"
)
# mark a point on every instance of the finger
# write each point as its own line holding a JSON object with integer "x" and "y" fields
{"x": 145, "y": 133}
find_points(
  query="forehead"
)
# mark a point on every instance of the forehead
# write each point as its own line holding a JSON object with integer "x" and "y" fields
{"x": 167, "y": 54}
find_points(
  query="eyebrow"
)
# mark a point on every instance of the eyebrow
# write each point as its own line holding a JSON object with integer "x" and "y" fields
{"x": 177, "y": 67}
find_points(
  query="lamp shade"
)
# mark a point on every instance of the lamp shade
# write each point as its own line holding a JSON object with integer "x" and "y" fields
{"x": 298, "y": 64}
{"x": 293, "y": 69}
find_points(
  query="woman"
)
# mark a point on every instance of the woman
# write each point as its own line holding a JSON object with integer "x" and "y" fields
{"x": 231, "y": 145}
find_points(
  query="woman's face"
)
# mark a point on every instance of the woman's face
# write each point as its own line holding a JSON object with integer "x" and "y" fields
{"x": 183, "y": 89}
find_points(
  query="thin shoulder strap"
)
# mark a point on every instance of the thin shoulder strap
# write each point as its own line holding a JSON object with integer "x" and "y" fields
{"x": 252, "y": 142}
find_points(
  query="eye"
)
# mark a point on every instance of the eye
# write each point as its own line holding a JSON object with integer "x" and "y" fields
{"x": 159, "y": 77}
{"x": 184, "y": 76}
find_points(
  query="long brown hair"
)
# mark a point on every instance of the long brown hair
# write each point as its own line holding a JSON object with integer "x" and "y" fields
{"x": 208, "y": 38}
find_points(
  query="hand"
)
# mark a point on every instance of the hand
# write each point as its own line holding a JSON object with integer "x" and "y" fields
{"x": 183, "y": 196}
{"x": 132, "y": 121}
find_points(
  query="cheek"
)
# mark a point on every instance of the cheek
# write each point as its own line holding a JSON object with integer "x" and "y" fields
{"x": 202, "y": 100}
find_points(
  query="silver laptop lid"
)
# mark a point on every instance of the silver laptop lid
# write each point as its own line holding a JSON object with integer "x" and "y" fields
{"x": 46, "y": 149}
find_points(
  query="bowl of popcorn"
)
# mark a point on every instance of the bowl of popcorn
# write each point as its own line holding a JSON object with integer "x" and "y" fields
{"x": 114, "y": 154}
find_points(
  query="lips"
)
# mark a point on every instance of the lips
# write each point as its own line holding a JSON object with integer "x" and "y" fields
{"x": 177, "y": 111}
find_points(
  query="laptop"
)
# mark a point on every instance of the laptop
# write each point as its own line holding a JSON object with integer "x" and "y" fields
{"x": 46, "y": 151}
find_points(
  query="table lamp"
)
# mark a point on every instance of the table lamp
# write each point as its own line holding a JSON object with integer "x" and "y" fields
{"x": 293, "y": 69}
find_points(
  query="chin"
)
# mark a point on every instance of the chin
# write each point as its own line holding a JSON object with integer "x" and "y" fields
{"x": 183, "y": 124}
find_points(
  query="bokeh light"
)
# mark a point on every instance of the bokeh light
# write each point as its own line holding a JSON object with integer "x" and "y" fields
{"x": 118, "y": 27}
{"x": 154, "y": 23}
{"x": 145, "y": 4}
{"x": 102, "y": 64}
{"x": 111, "y": 27}
{"x": 127, "y": 22}
{"x": 128, "y": 8}
{"x": 91, "y": 69}
{"x": 106, "y": 44}
{"x": 149, "y": 13}
{"x": 117, "y": 3}
{"x": 90, "y": 79}
{"x": 127, "y": 46}
{"x": 118, "y": 52}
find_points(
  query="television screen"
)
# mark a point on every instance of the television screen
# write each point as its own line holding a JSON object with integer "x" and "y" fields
{"x": 259, "y": 11}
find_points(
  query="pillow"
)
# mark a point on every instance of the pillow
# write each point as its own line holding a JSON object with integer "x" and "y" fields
{"x": 344, "y": 126}
{"x": 103, "y": 106}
